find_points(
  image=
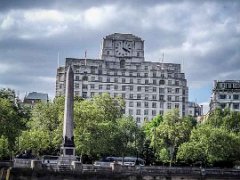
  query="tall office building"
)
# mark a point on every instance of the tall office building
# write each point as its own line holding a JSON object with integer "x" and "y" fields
{"x": 149, "y": 88}
{"x": 226, "y": 94}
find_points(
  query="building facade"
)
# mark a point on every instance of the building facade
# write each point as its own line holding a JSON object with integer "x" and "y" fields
{"x": 195, "y": 109}
{"x": 226, "y": 94}
{"x": 34, "y": 97}
{"x": 149, "y": 88}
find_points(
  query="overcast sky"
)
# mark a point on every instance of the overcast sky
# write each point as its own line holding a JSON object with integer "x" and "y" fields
{"x": 205, "y": 35}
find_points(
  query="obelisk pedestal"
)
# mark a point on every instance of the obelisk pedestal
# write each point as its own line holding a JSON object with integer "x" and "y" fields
{"x": 68, "y": 146}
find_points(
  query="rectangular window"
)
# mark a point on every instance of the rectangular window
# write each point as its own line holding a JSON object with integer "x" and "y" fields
{"x": 154, "y": 97}
{"x": 154, "y": 89}
{"x": 146, "y": 89}
{"x": 169, "y": 106}
{"x": 85, "y": 86}
{"x": 154, "y": 105}
{"x": 177, "y": 106}
{"x": 77, "y": 78}
{"x": 93, "y": 78}
{"x": 235, "y": 96}
{"x": 92, "y": 94}
{"x": 100, "y": 87}
{"x": 100, "y": 79}
{"x": 222, "y": 96}
{"x": 145, "y": 112}
{"x": 146, "y": 104}
{"x": 154, "y": 74}
{"x": 176, "y": 98}
{"x": 169, "y": 90}
{"x": 145, "y": 74}
{"x": 108, "y": 79}
{"x": 169, "y": 98}
{"x": 138, "y": 119}
{"x": 146, "y": 97}
{"x": 146, "y": 81}
{"x": 235, "y": 105}
{"x": 108, "y": 87}
{"x": 139, "y": 88}
{"x": 161, "y": 90}
{"x": 177, "y": 83}
{"x": 138, "y": 96}
{"x": 130, "y": 96}
{"x": 161, "y": 105}
{"x": 130, "y": 104}
{"x": 138, "y": 112}
{"x": 169, "y": 82}
{"x": 138, "y": 74}
{"x": 161, "y": 97}
{"x": 115, "y": 80}
{"x": 177, "y": 90}
{"x": 131, "y": 88}
{"x": 123, "y": 80}
{"x": 115, "y": 87}
{"x": 130, "y": 112}
{"x": 92, "y": 86}
{"x": 76, "y": 85}
{"x": 139, "y": 81}
{"x": 123, "y": 88}
{"x": 154, "y": 112}
{"x": 146, "y": 67}
{"x": 84, "y": 94}
{"x": 138, "y": 104}
{"x": 154, "y": 81}
{"x": 123, "y": 95}
{"x": 131, "y": 81}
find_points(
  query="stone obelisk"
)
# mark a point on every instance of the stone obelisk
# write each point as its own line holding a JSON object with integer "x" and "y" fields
{"x": 68, "y": 147}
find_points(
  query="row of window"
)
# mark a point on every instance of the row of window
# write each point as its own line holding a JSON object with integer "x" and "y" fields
{"x": 225, "y": 96}
{"x": 131, "y": 80}
{"x": 130, "y": 88}
{"x": 226, "y": 105}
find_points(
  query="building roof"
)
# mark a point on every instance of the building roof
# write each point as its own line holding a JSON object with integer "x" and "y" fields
{"x": 37, "y": 96}
{"x": 120, "y": 36}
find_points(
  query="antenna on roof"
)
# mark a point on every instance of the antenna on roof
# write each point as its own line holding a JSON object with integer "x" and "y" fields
{"x": 58, "y": 60}
{"x": 85, "y": 55}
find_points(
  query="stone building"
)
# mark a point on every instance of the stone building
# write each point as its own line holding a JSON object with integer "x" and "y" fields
{"x": 148, "y": 87}
{"x": 226, "y": 94}
{"x": 195, "y": 109}
{"x": 34, "y": 97}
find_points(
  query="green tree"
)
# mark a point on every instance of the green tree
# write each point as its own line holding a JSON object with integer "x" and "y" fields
{"x": 170, "y": 134}
{"x": 210, "y": 146}
{"x": 4, "y": 149}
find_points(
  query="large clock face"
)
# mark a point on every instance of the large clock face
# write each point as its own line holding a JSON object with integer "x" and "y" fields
{"x": 123, "y": 48}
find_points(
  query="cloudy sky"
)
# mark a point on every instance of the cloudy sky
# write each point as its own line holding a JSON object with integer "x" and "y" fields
{"x": 203, "y": 35}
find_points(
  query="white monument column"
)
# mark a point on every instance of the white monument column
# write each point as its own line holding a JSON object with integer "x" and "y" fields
{"x": 68, "y": 146}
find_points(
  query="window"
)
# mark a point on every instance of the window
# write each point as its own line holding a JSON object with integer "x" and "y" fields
{"x": 169, "y": 98}
{"x": 154, "y": 97}
{"x": 138, "y": 112}
{"x": 146, "y": 81}
{"x": 108, "y": 79}
{"x": 146, "y": 67}
{"x": 146, "y": 89}
{"x": 138, "y": 104}
{"x": 123, "y": 95}
{"x": 177, "y": 83}
{"x": 169, "y": 82}
{"x": 222, "y": 96}
{"x": 161, "y": 97}
{"x": 235, "y": 96}
{"x": 177, "y": 90}
{"x": 138, "y": 96}
{"x": 85, "y": 86}
{"x": 154, "y": 74}
{"x": 161, "y": 112}
{"x": 130, "y": 112}
{"x": 108, "y": 87}
{"x": 100, "y": 79}
{"x": 123, "y": 73}
{"x": 235, "y": 105}
{"x": 100, "y": 87}
{"x": 115, "y": 80}
{"x": 139, "y": 81}
{"x": 161, "y": 90}
{"x": 138, "y": 74}
{"x": 93, "y": 78}
{"x": 76, "y": 93}
{"x": 161, "y": 82}
{"x": 169, "y": 105}
{"x": 130, "y": 104}
{"x": 146, "y": 97}
{"x": 84, "y": 94}
{"x": 223, "y": 105}
{"x": 123, "y": 80}
{"x": 146, "y": 104}
{"x": 154, "y": 105}
{"x": 154, "y": 82}
{"x": 176, "y": 98}
{"x": 154, "y": 112}
{"x": 162, "y": 75}
{"x": 169, "y": 90}
{"x": 130, "y": 96}
{"x": 177, "y": 105}
{"x": 131, "y": 81}
{"x": 131, "y": 88}
{"x": 138, "y": 54}
{"x": 122, "y": 64}
{"x": 130, "y": 74}
{"x": 76, "y": 85}
{"x": 123, "y": 88}
{"x": 139, "y": 88}
{"x": 92, "y": 86}
{"x": 138, "y": 120}
{"x": 145, "y": 112}
{"x": 145, "y": 74}
{"x": 161, "y": 105}
{"x": 115, "y": 73}
{"x": 92, "y": 94}
{"x": 154, "y": 89}
{"x": 77, "y": 78}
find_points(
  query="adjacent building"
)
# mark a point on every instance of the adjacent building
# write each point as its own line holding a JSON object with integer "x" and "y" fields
{"x": 194, "y": 109}
{"x": 34, "y": 97}
{"x": 226, "y": 94}
{"x": 149, "y": 88}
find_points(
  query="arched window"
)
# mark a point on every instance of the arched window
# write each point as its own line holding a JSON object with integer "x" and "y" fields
{"x": 122, "y": 64}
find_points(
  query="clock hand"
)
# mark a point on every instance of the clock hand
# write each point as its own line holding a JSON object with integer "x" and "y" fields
{"x": 125, "y": 49}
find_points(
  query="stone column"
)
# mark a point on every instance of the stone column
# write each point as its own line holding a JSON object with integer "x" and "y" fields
{"x": 68, "y": 146}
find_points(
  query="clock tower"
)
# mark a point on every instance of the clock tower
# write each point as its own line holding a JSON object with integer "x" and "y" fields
{"x": 122, "y": 46}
